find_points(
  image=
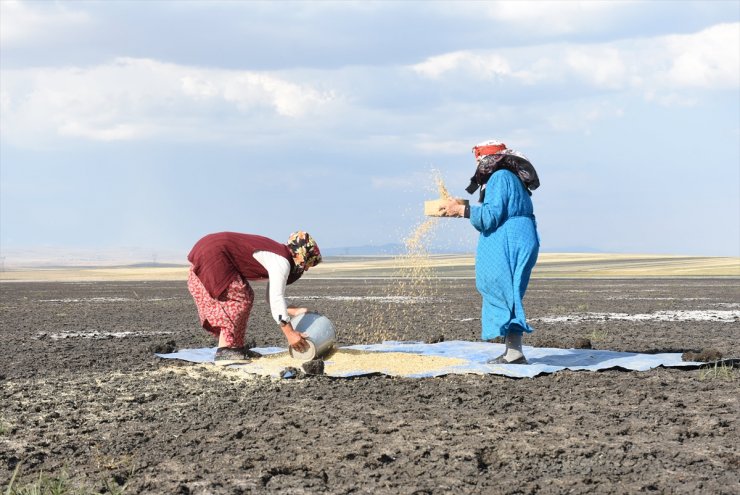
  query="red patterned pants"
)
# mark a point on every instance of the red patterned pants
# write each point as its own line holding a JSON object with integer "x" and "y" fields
{"x": 226, "y": 316}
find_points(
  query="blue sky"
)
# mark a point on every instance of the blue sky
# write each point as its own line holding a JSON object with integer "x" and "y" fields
{"x": 145, "y": 125}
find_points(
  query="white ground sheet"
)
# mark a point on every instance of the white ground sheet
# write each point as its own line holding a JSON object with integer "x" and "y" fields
{"x": 541, "y": 360}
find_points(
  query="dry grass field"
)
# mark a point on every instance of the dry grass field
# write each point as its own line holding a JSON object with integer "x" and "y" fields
{"x": 549, "y": 265}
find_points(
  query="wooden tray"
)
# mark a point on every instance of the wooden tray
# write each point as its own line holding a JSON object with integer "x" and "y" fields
{"x": 431, "y": 208}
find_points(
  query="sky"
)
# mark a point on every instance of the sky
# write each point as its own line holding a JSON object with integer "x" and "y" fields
{"x": 139, "y": 127}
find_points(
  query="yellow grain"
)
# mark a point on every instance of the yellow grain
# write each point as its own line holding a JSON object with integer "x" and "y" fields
{"x": 443, "y": 192}
{"x": 347, "y": 360}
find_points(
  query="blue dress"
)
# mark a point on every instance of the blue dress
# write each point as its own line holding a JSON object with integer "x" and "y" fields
{"x": 507, "y": 252}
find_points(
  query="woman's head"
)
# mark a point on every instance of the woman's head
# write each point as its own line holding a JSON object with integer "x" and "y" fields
{"x": 491, "y": 156}
{"x": 305, "y": 251}
{"x": 483, "y": 153}
{"x": 487, "y": 148}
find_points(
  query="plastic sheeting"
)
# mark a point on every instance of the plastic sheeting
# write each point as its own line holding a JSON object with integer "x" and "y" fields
{"x": 542, "y": 361}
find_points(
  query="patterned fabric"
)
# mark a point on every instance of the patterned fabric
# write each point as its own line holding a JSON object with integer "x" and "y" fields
{"x": 305, "y": 251}
{"x": 507, "y": 251}
{"x": 507, "y": 159}
{"x": 487, "y": 163}
{"x": 228, "y": 314}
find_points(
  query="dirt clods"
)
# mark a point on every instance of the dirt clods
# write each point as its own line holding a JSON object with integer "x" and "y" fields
{"x": 314, "y": 367}
{"x": 704, "y": 355}
{"x": 582, "y": 343}
{"x": 164, "y": 347}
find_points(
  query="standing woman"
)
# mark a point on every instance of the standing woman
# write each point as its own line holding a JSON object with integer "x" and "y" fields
{"x": 508, "y": 244}
{"x": 223, "y": 264}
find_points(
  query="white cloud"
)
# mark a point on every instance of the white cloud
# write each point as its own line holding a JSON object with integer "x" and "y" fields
{"x": 22, "y": 21}
{"x": 248, "y": 90}
{"x": 484, "y": 66}
{"x": 602, "y": 67}
{"x": 708, "y": 60}
{"x": 599, "y": 66}
{"x": 116, "y": 132}
{"x": 138, "y": 98}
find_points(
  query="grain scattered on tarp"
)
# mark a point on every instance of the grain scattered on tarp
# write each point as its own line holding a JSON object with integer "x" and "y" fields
{"x": 346, "y": 361}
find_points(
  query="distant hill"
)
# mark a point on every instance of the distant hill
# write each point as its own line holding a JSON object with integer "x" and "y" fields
{"x": 367, "y": 250}
{"x": 572, "y": 249}
{"x": 154, "y": 265}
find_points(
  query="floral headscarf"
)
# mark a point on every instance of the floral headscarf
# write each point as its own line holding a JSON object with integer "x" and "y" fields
{"x": 305, "y": 251}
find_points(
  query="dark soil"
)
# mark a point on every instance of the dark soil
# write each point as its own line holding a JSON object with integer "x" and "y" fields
{"x": 315, "y": 367}
{"x": 705, "y": 355}
{"x": 105, "y": 412}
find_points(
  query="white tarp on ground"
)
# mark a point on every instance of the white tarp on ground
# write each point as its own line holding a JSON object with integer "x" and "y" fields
{"x": 476, "y": 354}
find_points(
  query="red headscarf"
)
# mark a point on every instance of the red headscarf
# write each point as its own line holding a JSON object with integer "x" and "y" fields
{"x": 487, "y": 148}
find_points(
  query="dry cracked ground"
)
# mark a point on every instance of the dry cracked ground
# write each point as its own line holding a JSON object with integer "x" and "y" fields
{"x": 86, "y": 407}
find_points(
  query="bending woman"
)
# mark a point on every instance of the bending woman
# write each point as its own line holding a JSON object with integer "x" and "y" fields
{"x": 222, "y": 266}
{"x": 508, "y": 244}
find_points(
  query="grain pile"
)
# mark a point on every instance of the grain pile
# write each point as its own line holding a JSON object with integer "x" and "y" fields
{"x": 345, "y": 361}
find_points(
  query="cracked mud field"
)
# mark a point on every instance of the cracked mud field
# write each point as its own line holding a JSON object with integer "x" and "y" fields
{"x": 83, "y": 396}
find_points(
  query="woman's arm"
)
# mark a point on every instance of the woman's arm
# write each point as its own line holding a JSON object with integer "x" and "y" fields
{"x": 278, "y": 270}
{"x": 488, "y": 216}
{"x": 492, "y": 213}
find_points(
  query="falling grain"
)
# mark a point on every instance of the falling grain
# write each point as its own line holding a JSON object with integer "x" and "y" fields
{"x": 414, "y": 287}
{"x": 443, "y": 192}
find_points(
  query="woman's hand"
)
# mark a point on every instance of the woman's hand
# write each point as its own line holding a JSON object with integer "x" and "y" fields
{"x": 297, "y": 341}
{"x": 451, "y": 208}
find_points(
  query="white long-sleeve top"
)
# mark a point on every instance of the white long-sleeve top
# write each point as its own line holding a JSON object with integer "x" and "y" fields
{"x": 278, "y": 270}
